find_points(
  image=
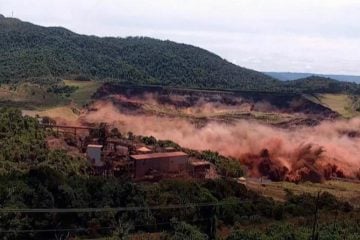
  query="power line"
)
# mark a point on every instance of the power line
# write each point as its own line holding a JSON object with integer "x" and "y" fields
{"x": 119, "y": 209}
{"x": 51, "y": 230}
{"x": 85, "y": 229}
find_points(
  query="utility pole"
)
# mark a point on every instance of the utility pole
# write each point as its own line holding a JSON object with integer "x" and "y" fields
{"x": 314, "y": 234}
{"x": 212, "y": 223}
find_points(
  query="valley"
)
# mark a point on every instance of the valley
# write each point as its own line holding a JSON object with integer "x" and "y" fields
{"x": 268, "y": 132}
{"x": 108, "y": 137}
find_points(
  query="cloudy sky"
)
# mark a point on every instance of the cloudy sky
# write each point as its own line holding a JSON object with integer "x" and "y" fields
{"x": 320, "y": 36}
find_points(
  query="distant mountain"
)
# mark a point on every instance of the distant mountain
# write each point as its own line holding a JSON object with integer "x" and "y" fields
{"x": 283, "y": 76}
{"x": 316, "y": 84}
{"x": 32, "y": 52}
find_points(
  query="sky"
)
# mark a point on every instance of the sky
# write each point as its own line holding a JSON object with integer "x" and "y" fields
{"x": 318, "y": 36}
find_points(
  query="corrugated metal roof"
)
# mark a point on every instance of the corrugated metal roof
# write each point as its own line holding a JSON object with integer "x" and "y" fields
{"x": 169, "y": 148}
{"x": 143, "y": 149}
{"x": 200, "y": 163}
{"x": 95, "y": 146}
{"x": 158, "y": 155}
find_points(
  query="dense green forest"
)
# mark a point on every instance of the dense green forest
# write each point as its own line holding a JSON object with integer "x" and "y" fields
{"x": 45, "y": 54}
{"x": 34, "y": 177}
{"x": 316, "y": 84}
{"x": 30, "y": 51}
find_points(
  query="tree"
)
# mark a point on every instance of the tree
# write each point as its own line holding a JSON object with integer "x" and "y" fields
{"x": 122, "y": 230}
{"x": 183, "y": 230}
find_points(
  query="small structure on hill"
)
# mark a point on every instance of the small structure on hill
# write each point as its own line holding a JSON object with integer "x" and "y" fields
{"x": 199, "y": 169}
{"x": 93, "y": 153}
{"x": 165, "y": 163}
{"x": 143, "y": 150}
{"x": 117, "y": 146}
{"x": 241, "y": 180}
{"x": 169, "y": 149}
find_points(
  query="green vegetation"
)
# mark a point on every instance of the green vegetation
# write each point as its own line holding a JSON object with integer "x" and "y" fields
{"x": 43, "y": 55}
{"x": 33, "y": 176}
{"x": 23, "y": 146}
{"x": 316, "y": 84}
{"x": 347, "y": 105}
{"x": 346, "y": 191}
{"x": 31, "y": 95}
{"x": 84, "y": 90}
{"x": 45, "y": 96}
{"x": 340, "y": 103}
{"x": 226, "y": 166}
{"x": 339, "y": 231}
{"x": 33, "y": 52}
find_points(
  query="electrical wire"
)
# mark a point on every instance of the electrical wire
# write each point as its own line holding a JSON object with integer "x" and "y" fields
{"x": 118, "y": 209}
{"x": 85, "y": 229}
{"x": 89, "y": 210}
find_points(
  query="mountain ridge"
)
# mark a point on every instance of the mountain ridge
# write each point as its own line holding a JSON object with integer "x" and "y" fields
{"x": 46, "y": 54}
{"x": 34, "y": 51}
{"x": 284, "y": 76}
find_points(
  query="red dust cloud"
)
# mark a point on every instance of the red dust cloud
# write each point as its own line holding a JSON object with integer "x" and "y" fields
{"x": 305, "y": 153}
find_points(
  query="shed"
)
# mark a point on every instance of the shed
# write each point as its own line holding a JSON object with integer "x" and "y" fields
{"x": 93, "y": 153}
{"x": 170, "y": 149}
{"x": 165, "y": 162}
{"x": 143, "y": 150}
{"x": 199, "y": 168}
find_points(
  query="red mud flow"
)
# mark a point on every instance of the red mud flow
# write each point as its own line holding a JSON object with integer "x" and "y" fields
{"x": 302, "y": 154}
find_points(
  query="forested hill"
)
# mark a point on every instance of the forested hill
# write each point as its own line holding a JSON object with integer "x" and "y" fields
{"x": 316, "y": 84}
{"x": 284, "y": 76}
{"x": 29, "y": 51}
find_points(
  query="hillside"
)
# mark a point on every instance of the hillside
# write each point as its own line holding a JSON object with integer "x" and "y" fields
{"x": 46, "y": 189}
{"x": 33, "y": 52}
{"x": 293, "y": 76}
{"x": 316, "y": 84}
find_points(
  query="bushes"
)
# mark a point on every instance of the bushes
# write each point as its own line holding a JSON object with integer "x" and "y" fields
{"x": 284, "y": 231}
{"x": 22, "y": 141}
{"x": 304, "y": 204}
{"x": 149, "y": 140}
{"x": 36, "y": 177}
{"x": 182, "y": 230}
{"x": 48, "y": 188}
{"x": 59, "y": 89}
{"x": 278, "y": 212}
{"x": 138, "y": 60}
{"x": 227, "y": 167}
{"x": 244, "y": 235}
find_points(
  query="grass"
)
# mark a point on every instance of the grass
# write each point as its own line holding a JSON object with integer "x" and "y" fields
{"x": 84, "y": 92}
{"x": 64, "y": 108}
{"x": 65, "y": 112}
{"x": 36, "y": 100}
{"x": 346, "y": 191}
{"x": 340, "y": 103}
{"x": 30, "y": 96}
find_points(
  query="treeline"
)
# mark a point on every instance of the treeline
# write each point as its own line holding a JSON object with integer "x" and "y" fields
{"x": 43, "y": 187}
{"x": 23, "y": 146}
{"x": 316, "y": 84}
{"x": 31, "y": 51}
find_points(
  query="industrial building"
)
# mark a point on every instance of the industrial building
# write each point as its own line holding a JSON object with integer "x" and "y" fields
{"x": 163, "y": 162}
{"x": 112, "y": 155}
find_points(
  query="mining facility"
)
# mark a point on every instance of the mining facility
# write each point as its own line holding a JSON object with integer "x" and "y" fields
{"x": 109, "y": 155}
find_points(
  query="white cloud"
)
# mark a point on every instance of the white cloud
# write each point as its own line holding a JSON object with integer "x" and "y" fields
{"x": 277, "y": 35}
